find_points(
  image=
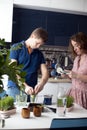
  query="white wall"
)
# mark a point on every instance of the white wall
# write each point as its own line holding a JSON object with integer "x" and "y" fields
{"x": 76, "y": 6}
{"x": 6, "y": 12}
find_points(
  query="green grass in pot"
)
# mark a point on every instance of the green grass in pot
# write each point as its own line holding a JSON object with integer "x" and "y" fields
{"x": 6, "y": 103}
{"x": 70, "y": 101}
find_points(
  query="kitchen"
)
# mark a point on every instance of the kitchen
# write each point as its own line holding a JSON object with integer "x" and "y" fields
{"x": 53, "y": 46}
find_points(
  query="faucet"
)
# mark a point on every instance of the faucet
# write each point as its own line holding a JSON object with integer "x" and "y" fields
{"x": 2, "y": 122}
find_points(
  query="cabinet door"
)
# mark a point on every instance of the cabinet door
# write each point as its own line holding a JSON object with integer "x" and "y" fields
{"x": 66, "y": 86}
{"x": 52, "y": 89}
{"x": 25, "y": 21}
{"x": 60, "y": 26}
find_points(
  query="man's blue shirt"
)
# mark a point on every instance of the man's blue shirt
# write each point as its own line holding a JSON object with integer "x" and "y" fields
{"x": 31, "y": 62}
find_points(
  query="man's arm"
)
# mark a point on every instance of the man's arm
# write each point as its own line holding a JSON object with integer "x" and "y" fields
{"x": 44, "y": 79}
{"x": 28, "y": 89}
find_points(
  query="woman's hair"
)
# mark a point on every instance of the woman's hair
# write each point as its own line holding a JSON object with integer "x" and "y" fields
{"x": 40, "y": 33}
{"x": 81, "y": 39}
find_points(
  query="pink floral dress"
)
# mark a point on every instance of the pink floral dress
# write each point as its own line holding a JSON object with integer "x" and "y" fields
{"x": 79, "y": 88}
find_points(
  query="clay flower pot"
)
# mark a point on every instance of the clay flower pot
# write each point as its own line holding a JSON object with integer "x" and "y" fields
{"x": 25, "y": 112}
{"x": 7, "y": 113}
{"x": 70, "y": 108}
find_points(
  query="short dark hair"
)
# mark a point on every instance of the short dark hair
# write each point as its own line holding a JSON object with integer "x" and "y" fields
{"x": 41, "y": 33}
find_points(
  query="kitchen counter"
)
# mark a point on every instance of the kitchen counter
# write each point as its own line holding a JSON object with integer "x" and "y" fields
{"x": 59, "y": 80}
{"x": 32, "y": 123}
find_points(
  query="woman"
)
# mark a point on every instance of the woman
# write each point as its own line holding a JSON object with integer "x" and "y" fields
{"x": 78, "y": 46}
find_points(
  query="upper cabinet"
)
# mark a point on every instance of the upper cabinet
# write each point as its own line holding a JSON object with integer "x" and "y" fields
{"x": 60, "y": 26}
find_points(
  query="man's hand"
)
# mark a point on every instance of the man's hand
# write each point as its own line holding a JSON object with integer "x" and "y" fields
{"x": 38, "y": 88}
{"x": 29, "y": 90}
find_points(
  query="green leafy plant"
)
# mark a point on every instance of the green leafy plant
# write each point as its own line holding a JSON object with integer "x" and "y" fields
{"x": 6, "y": 103}
{"x": 11, "y": 69}
{"x": 14, "y": 72}
{"x": 70, "y": 101}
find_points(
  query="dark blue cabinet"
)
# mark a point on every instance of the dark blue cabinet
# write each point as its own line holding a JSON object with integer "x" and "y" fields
{"x": 60, "y": 26}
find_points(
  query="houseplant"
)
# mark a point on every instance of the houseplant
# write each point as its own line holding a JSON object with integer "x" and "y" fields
{"x": 6, "y": 103}
{"x": 69, "y": 104}
{"x": 7, "y": 106}
{"x": 13, "y": 71}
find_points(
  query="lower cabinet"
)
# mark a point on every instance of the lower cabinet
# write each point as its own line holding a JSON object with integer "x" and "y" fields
{"x": 52, "y": 89}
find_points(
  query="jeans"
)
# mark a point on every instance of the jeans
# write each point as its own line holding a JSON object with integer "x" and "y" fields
{"x": 13, "y": 91}
{"x": 2, "y": 94}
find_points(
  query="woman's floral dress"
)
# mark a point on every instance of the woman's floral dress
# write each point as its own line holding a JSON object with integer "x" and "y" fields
{"x": 79, "y": 88}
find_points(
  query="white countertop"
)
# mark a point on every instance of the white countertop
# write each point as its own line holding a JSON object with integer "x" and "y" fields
{"x": 17, "y": 122}
{"x": 58, "y": 80}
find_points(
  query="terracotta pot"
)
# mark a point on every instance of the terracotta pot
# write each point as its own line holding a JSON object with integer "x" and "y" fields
{"x": 37, "y": 111}
{"x": 25, "y": 112}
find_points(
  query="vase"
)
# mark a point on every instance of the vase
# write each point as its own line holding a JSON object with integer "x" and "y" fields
{"x": 21, "y": 99}
{"x": 61, "y": 102}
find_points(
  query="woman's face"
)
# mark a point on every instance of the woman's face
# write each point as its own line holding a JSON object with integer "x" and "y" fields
{"x": 76, "y": 47}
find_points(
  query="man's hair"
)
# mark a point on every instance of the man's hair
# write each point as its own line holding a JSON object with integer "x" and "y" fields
{"x": 40, "y": 33}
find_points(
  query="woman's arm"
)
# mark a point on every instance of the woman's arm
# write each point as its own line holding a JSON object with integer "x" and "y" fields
{"x": 79, "y": 76}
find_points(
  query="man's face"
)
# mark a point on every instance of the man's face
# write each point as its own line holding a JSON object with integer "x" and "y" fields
{"x": 35, "y": 42}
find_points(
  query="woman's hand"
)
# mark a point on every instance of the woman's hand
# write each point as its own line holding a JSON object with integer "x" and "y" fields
{"x": 74, "y": 74}
{"x": 69, "y": 74}
{"x": 66, "y": 74}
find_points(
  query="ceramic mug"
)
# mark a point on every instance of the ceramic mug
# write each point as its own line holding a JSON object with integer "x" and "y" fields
{"x": 25, "y": 112}
{"x": 37, "y": 110}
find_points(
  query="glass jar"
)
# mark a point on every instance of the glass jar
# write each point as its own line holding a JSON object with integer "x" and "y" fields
{"x": 21, "y": 99}
{"x": 61, "y": 102}
{"x": 47, "y": 99}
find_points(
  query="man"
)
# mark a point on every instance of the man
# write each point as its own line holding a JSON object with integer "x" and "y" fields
{"x": 32, "y": 58}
